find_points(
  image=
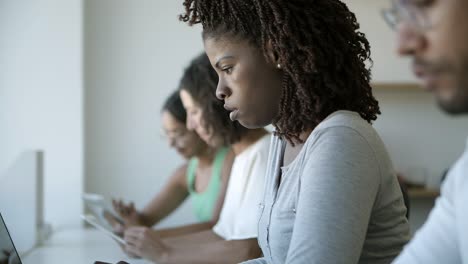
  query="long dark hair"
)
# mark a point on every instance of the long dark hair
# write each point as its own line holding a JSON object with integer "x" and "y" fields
{"x": 200, "y": 81}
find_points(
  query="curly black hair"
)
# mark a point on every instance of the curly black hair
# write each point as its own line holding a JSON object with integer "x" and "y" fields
{"x": 200, "y": 81}
{"x": 322, "y": 53}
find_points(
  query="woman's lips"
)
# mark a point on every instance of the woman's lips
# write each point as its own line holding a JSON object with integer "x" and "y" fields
{"x": 233, "y": 115}
{"x": 234, "y": 112}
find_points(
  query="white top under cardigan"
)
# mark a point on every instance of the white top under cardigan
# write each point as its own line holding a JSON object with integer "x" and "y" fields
{"x": 239, "y": 215}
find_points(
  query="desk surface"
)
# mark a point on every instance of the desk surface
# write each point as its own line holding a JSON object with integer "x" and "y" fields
{"x": 80, "y": 246}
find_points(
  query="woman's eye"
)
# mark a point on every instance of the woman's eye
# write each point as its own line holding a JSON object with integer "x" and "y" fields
{"x": 227, "y": 70}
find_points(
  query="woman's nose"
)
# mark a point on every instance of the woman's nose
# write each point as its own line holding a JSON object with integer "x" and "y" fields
{"x": 222, "y": 91}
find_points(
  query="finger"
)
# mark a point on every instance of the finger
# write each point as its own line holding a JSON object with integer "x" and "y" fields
{"x": 132, "y": 237}
{"x": 114, "y": 204}
{"x": 129, "y": 253}
{"x": 130, "y": 241}
{"x": 128, "y": 208}
{"x": 135, "y": 229}
{"x": 133, "y": 250}
{"x": 119, "y": 229}
{"x": 133, "y": 241}
{"x": 125, "y": 209}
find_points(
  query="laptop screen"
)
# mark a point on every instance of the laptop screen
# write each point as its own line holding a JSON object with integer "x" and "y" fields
{"x": 8, "y": 254}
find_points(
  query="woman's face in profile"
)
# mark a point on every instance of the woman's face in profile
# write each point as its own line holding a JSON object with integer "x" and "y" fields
{"x": 250, "y": 86}
{"x": 185, "y": 142}
{"x": 195, "y": 120}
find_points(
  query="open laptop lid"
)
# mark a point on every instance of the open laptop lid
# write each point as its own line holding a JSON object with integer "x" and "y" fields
{"x": 8, "y": 253}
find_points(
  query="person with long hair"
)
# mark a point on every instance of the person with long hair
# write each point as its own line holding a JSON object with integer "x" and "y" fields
{"x": 203, "y": 178}
{"x": 331, "y": 192}
{"x": 234, "y": 237}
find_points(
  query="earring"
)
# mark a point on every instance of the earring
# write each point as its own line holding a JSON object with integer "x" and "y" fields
{"x": 278, "y": 66}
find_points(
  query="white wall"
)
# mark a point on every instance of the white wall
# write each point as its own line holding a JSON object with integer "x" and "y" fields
{"x": 420, "y": 138}
{"x": 135, "y": 54}
{"x": 388, "y": 67}
{"x": 41, "y": 96}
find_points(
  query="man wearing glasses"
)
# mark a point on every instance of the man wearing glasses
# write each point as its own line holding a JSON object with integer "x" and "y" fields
{"x": 435, "y": 34}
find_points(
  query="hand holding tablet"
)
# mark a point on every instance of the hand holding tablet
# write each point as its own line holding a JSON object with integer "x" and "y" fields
{"x": 103, "y": 211}
{"x": 94, "y": 222}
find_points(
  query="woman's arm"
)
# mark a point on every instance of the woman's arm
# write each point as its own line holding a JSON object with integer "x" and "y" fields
{"x": 339, "y": 185}
{"x": 183, "y": 230}
{"x": 224, "y": 251}
{"x": 225, "y": 173}
{"x": 202, "y": 247}
{"x": 167, "y": 200}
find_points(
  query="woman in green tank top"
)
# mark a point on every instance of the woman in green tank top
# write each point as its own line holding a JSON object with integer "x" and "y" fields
{"x": 203, "y": 178}
{"x": 204, "y": 202}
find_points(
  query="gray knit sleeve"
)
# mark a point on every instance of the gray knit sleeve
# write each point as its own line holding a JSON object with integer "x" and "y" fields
{"x": 337, "y": 192}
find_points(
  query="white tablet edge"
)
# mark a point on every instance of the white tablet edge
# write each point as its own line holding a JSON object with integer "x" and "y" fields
{"x": 91, "y": 220}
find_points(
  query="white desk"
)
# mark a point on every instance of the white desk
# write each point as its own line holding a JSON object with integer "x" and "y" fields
{"x": 81, "y": 246}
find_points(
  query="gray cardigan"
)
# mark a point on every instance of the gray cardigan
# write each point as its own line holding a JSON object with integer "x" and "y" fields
{"x": 338, "y": 202}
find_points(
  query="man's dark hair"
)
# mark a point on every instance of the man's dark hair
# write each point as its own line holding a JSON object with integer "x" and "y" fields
{"x": 200, "y": 81}
{"x": 323, "y": 55}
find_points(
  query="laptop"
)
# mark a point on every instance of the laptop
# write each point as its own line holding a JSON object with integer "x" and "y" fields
{"x": 8, "y": 253}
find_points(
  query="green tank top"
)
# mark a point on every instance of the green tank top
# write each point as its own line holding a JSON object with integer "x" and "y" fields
{"x": 204, "y": 203}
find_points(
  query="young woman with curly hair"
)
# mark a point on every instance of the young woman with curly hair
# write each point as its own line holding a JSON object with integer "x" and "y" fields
{"x": 331, "y": 193}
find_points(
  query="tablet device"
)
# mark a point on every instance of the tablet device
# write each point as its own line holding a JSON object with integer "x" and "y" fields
{"x": 101, "y": 209}
{"x": 91, "y": 219}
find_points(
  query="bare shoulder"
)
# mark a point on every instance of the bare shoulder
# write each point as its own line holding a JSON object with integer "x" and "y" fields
{"x": 179, "y": 175}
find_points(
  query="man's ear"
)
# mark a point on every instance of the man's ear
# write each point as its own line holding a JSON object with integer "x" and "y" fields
{"x": 272, "y": 54}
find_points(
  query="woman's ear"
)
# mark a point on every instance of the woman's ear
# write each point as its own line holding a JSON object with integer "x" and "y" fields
{"x": 273, "y": 55}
